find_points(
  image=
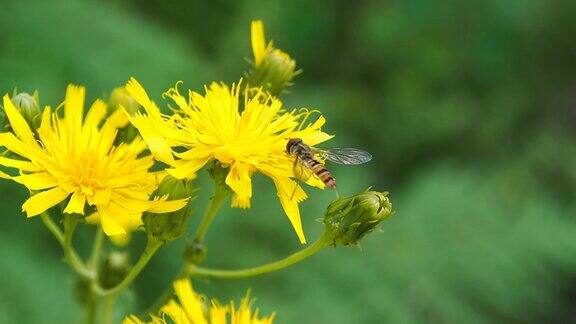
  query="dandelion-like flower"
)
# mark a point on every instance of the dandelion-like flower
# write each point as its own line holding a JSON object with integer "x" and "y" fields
{"x": 214, "y": 127}
{"x": 73, "y": 159}
{"x": 192, "y": 309}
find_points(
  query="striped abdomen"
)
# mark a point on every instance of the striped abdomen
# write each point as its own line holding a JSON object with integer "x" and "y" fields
{"x": 320, "y": 170}
{"x": 303, "y": 152}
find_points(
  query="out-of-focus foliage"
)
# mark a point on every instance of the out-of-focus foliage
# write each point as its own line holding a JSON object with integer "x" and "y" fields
{"x": 469, "y": 109}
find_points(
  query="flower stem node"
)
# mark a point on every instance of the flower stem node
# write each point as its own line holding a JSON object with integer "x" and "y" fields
{"x": 272, "y": 69}
{"x": 195, "y": 252}
{"x": 170, "y": 226}
{"x": 218, "y": 173}
{"x": 348, "y": 219}
{"x": 115, "y": 269}
{"x": 28, "y": 107}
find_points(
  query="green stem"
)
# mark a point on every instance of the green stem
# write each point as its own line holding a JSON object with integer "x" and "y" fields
{"x": 94, "y": 259}
{"x": 52, "y": 227}
{"x": 90, "y": 312}
{"x": 108, "y": 312}
{"x": 151, "y": 248}
{"x": 216, "y": 202}
{"x": 72, "y": 258}
{"x": 194, "y": 270}
{"x": 65, "y": 240}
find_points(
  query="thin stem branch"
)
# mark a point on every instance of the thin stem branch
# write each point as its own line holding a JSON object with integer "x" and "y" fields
{"x": 94, "y": 259}
{"x": 194, "y": 270}
{"x": 52, "y": 227}
{"x": 216, "y": 202}
{"x": 108, "y": 311}
{"x": 65, "y": 240}
{"x": 71, "y": 257}
{"x": 151, "y": 248}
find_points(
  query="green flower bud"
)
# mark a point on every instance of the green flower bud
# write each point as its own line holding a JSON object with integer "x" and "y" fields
{"x": 194, "y": 252}
{"x": 167, "y": 227}
{"x": 347, "y": 220}
{"x": 121, "y": 99}
{"x": 275, "y": 73}
{"x": 115, "y": 269}
{"x": 29, "y": 108}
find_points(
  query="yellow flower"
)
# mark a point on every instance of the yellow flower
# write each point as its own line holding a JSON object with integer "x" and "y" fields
{"x": 191, "y": 308}
{"x": 74, "y": 158}
{"x": 213, "y": 127}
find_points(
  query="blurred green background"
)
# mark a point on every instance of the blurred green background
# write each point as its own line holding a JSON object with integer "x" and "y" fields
{"x": 468, "y": 108}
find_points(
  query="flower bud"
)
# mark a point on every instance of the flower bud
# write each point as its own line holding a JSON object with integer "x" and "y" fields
{"x": 194, "y": 252}
{"x": 28, "y": 107}
{"x": 169, "y": 226}
{"x": 347, "y": 220}
{"x": 121, "y": 99}
{"x": 272, "y": 69}
{"x": 114, "y": 270}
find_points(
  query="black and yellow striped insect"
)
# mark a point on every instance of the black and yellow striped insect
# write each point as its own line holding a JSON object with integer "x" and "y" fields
{"x": 310, "y": 158}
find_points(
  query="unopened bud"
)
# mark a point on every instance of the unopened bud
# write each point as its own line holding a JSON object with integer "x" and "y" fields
{"x": 29, "y": 108}
{"x": 194, "y": 252}
{"x": 272, "y": 69}
{"x": 169, "y": 226}
{"x": 121, "y": 99}
{"x": 114, "y": 270}
{"x": 347, "y": 220}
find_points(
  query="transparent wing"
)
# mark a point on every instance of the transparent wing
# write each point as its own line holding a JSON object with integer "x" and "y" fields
{"x": 349, "y": 156}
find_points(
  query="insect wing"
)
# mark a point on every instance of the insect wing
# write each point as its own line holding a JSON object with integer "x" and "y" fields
{"x": 349, "y": 156}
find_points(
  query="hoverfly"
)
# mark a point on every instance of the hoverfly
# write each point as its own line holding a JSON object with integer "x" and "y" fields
{"x": 306, "y": 159}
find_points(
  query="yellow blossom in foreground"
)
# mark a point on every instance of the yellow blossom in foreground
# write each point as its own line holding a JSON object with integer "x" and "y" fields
{"x": 191, "y": 309}
{"x": 73, "y": 159}
{"x": 213, "y": 127}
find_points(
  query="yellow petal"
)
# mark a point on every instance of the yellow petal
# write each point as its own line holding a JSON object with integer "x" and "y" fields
{"x": 18, "y": 123}
{"x": 4, "y": 175}
{"x": 163, "y": 206}
{"x": 137, "y": 92}
{"x": 37, "y": 181}
{"x": 120, "y": 240}
{"x": 290, "y": 205}
{"x": 187, "y": 170}
{"x": 43, "y": 201}
{"x": 177, "y": 314}
{"x": 239, "y": 181}
{"x": 76, "y": 204}
{"x": 258, "y": 41}
{"x": 95, "y": 114}
{"x": 74, "y": 107}
{"x": 146, "y": 125}
{"x": 19, "y": 164}
{"x": 109, "y": 225}
{"x": 190, "y": 301}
